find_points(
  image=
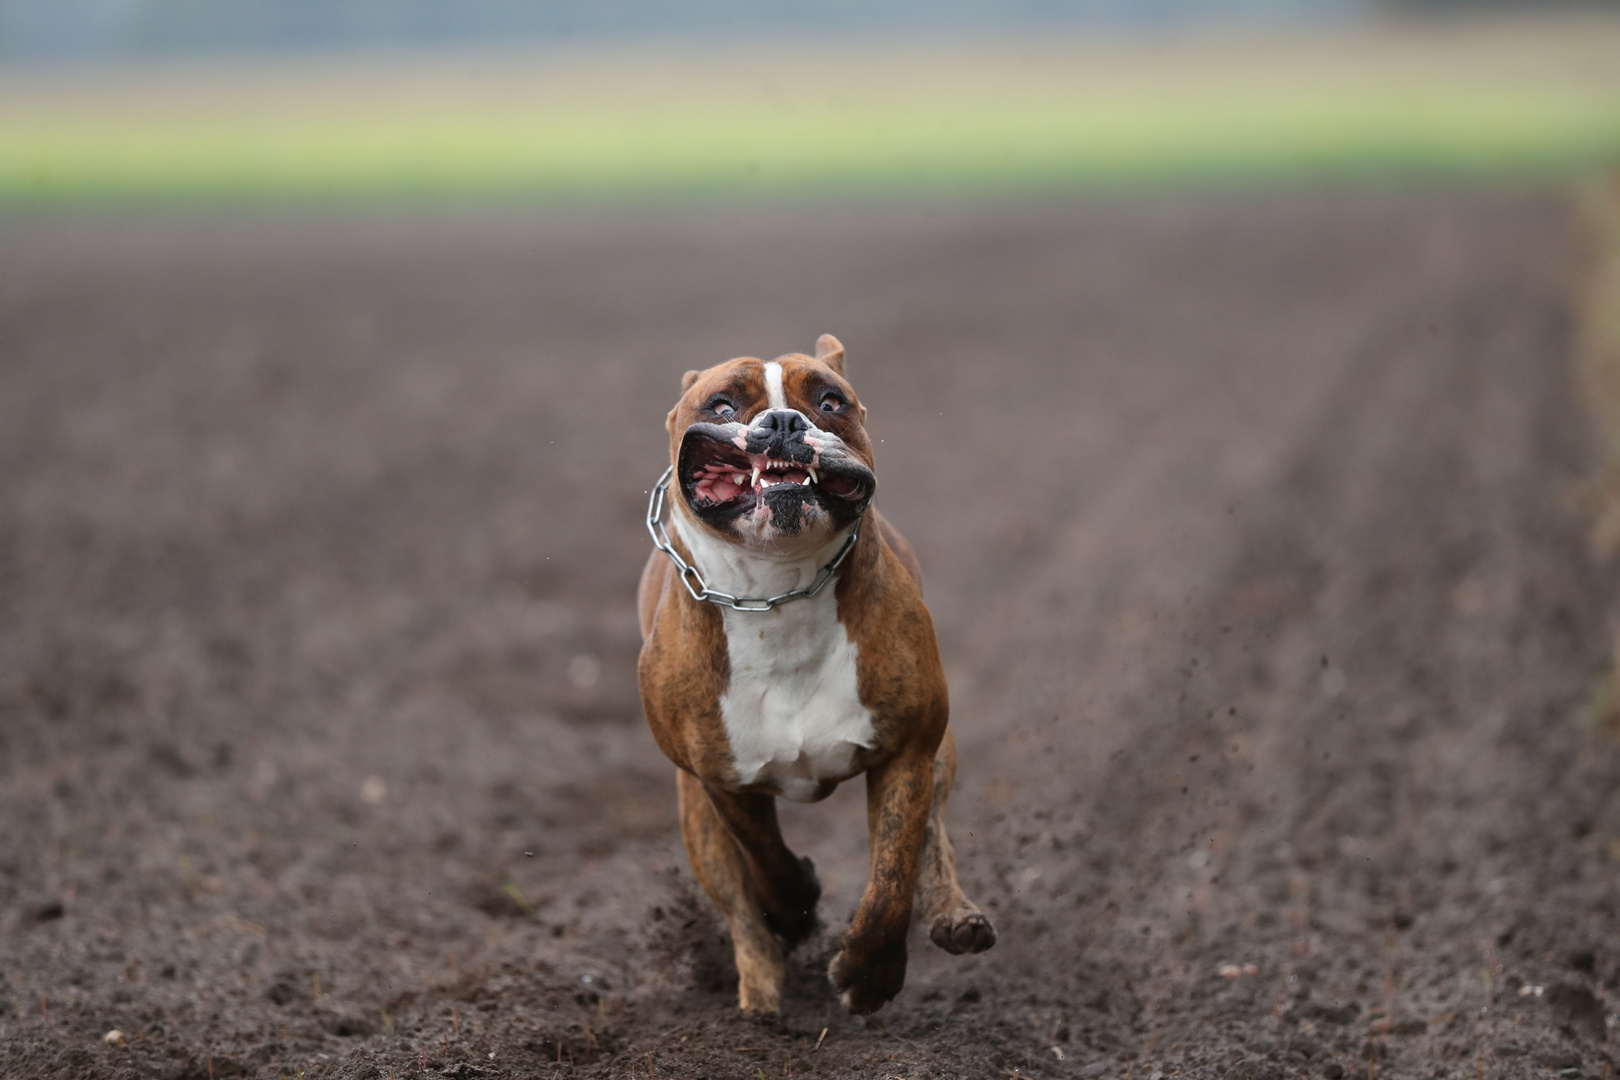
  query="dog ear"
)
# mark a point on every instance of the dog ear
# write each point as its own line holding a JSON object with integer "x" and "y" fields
{"x": 686, "y": 384}
{"x": 830, "y": 351}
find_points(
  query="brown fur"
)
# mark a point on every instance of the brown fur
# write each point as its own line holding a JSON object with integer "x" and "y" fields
{"x": 766, "y": 893}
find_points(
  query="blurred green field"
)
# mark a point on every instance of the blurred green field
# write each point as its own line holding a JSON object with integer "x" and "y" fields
{"x": 1510, "y": 100}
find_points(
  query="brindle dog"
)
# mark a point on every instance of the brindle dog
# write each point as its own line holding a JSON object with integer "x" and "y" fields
{"x": 770, "y": 494}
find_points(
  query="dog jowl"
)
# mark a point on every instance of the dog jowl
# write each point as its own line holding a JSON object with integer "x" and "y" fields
{"x": 770, "y": 496}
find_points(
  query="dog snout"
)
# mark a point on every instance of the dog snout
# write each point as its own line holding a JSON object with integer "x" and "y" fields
{"x": 779, "y": 433}
{"x": 781, "y": 423}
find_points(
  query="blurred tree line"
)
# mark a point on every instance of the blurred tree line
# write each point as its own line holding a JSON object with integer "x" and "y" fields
{"x": 43, "y": 29}
{"x": 75, "y": 29}
{"x": 37, "y": 29}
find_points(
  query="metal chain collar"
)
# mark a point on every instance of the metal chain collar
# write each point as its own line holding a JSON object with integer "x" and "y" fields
{"x": 700, "y": 590}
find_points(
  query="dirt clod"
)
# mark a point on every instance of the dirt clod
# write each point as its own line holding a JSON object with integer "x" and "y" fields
{"x": 49, "y": 911}
{"x": 1579, "y": 1007}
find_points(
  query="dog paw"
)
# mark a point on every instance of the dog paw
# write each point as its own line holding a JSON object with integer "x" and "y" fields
{"x": 867, "y": 983}
{"x": 769, "y": 1020}
{"x": 794, "y": 918}
{"x": 793, "y": 927}
{"x": 965, "y": 930}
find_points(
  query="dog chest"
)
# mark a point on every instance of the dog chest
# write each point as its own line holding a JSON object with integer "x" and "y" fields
{"x": 791, "y": 709}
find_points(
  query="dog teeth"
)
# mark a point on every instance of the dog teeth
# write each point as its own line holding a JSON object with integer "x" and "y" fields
{"x": 769, "y": 473}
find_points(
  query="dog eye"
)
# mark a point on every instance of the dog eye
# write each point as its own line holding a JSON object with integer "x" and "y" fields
{"x": 831, "y": 402}
{"x": 721, "y": 408}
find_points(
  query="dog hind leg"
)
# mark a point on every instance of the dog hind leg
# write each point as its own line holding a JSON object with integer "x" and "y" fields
{"x": 954, "y": 922}
{"x": 724, "y": 873}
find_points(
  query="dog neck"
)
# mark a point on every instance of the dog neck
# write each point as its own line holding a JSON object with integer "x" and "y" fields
{"x": 743, "y": 571}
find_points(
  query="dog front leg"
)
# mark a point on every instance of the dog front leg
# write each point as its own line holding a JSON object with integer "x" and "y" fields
{"x": 723, "y": 871}
{"x": 870, "y": 968}
{"x": 785, "y": 886}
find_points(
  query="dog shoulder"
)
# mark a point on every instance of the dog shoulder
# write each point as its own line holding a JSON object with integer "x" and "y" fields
{"x": 900, "y": 546}
{"x": 683, "y": 671}
{"x": 902, "y": 680}
{"x": 651, "y": 589}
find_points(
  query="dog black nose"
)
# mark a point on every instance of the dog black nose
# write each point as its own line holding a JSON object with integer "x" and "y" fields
{"x": 781, "y": 422}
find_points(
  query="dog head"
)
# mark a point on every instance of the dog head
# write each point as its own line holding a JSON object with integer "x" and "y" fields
{"x": 772, "y": 455}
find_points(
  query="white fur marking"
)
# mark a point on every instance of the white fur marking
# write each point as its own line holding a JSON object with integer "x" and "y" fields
{"x": 773, "y": 385}
{"x": 792, "y": 712}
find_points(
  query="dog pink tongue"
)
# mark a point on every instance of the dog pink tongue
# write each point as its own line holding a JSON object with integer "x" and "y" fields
{"x": 844, "y": 487}
{"x": 717, "y": 489}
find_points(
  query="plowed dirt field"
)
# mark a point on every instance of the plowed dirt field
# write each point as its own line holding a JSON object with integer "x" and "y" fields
{"x": 1250, "y": 531}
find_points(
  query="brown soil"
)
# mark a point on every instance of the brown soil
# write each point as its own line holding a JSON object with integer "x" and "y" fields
{"x": 1248, "y": 532}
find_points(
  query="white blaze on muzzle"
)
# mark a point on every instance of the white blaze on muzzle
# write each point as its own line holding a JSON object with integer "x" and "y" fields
{"x": 773, "y": 385}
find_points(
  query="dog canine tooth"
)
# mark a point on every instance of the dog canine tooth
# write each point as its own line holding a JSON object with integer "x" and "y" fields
{"x": 755, "y": 480}
{"x": 813, "y": 477}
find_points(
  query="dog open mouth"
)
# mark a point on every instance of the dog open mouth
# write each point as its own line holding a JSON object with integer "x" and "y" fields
{"x": 722, "y": 477}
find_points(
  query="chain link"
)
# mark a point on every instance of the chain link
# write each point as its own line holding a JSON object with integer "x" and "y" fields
{"x": 701, "y": 591}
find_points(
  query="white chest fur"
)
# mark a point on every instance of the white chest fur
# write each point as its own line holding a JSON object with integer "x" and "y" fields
{"x": 791, "y": 710}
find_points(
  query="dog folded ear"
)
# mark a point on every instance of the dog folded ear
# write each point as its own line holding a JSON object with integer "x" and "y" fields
{"x": 830, "y": 351}
{"x": 688, "y": 379}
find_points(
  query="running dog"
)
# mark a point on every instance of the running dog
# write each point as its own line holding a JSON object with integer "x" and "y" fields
{"x": 785, "y": 649}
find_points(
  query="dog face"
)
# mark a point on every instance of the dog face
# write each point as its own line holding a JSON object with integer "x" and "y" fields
{"x": 773, "y": 455}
